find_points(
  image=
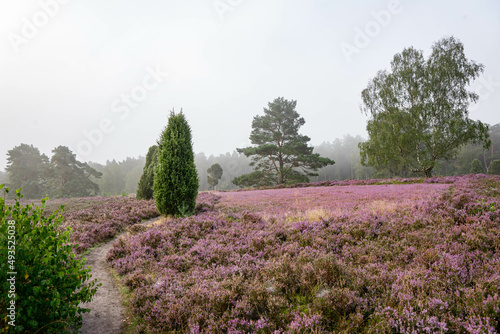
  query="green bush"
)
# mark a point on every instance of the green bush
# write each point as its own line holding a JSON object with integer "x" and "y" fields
{"x": 494, "y": 167}
{"x": 175, "y": 178}
{"x": 145, "y": 186}
{"x": 476, "y": 167}
{"x": 49, "y": 280}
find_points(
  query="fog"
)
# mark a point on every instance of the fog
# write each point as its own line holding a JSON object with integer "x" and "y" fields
{"x": 101, "y": 76}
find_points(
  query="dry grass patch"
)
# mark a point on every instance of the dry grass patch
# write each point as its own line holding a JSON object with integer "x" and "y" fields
{"x": 310, "y": 215}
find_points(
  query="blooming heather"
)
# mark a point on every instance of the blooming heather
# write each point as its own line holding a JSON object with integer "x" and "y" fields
{"x": 409, "y": 258}
{"x": 97, "y": 219}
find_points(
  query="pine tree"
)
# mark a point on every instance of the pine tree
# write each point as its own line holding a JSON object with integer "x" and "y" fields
{"x": 27, "y": 168}
{"x": 70, "y": 177}
{"x": 145, "y": 186}
{"x": 176, "y": 180}
{"x": 476, "y": 167}
{"x": 280, "y": 153}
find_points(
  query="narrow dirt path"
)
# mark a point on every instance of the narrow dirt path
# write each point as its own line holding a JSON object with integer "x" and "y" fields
{"x": 106, "y": 308}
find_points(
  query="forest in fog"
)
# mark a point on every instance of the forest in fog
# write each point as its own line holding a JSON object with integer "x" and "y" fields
{"x": 122, "y": 177}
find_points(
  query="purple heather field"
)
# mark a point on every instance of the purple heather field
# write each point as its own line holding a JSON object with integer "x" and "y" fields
{"x": 95, "y": 220}
{"x": 350, "y": 257}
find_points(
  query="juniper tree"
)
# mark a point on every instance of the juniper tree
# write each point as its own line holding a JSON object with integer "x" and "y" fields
{"x": 494, "y": 167}
{"x": 175, "y": 180}
{"x": 145, "y": 185}
{"x": 476, "y": 167}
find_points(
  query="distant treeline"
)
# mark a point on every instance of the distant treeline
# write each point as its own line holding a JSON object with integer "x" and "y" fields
{"x": 60, "y": 176}
{"x": 64, "y": 176}
{"x": 119, "y": 178}
{"x": 346, "y": 153}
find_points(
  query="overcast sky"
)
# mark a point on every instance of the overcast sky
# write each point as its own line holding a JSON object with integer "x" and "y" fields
{"x": 101, "y": 76}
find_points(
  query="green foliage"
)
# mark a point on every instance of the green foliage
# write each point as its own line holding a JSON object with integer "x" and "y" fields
{"x": 50, "y": 280}
{"x": 280, "y": 149}
{"x": 175, "y": 178}
{"x": 494, "y": 167}
{"x": 419, "y": 110}
{"x": 70, "y": 177}
{"x": 27, "y": 169}
{"x": 484, "y": 207}
{"x": 145, "y": 186}
{"x": 62, "y": 176}
{"x": 255, "y": 179}
{"x": 214, "y": 175}
{"x": 476, "y": 167}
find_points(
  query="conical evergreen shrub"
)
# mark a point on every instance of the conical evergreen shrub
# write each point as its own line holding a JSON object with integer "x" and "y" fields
{"x": 175, "y": 180}
{"x": 145, "y": 186}
{"x": 476, "y": 167}
{"x": 494, "y": 167}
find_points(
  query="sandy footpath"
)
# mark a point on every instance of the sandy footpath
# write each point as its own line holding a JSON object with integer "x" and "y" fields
{"x": 107, "y": 310}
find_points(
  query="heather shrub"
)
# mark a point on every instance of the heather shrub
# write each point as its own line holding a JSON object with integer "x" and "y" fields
{"x": 427, "y": 263}
{"x": 99, "y": 219}
{"x": 51, "y": 283}
{"x": 206, "y": 202}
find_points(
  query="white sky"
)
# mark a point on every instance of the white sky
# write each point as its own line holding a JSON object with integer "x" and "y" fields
{"x": 68, "y": 75}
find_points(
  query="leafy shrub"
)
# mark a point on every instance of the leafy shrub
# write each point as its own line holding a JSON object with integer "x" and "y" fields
{"x": 49, "y": 284}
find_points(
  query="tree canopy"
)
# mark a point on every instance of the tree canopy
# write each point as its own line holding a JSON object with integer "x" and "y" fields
{"x": 27, "y": 168}
{"x": 214, "y": 175}
{"x": 70, "y": 177}
{"x": 280, "y": 155}
{"x": 419, "y": 109}
{"x": 61, "y": 176}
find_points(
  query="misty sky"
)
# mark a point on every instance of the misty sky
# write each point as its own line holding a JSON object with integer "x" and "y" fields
{"x": 71, "y": 67}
